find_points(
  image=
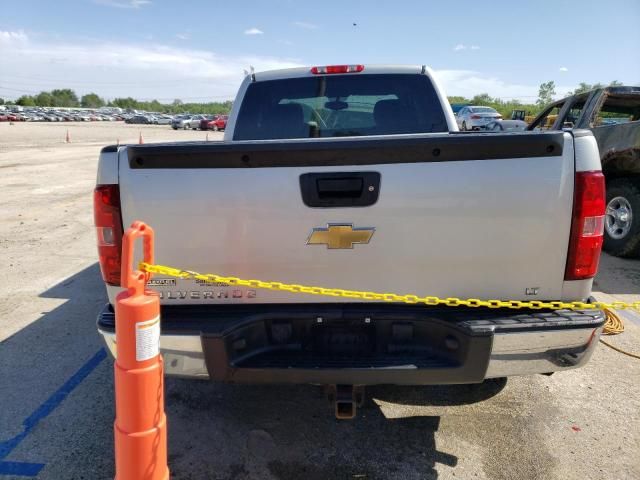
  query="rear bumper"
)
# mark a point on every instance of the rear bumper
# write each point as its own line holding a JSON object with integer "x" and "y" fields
{"x": 367, "y": 344}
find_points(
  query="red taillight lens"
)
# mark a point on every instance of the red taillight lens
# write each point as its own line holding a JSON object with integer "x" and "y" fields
{"x": 328, "y": 69}
{"x": 475, "y": 117}
{"x": 108, "y": 222}
{"x": 587, "y": 226}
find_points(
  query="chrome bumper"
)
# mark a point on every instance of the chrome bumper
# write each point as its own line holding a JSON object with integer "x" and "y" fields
{"x": 512, "y": 353}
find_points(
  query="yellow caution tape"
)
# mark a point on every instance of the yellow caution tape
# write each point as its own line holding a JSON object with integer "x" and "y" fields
{"x": 387, "y": 297}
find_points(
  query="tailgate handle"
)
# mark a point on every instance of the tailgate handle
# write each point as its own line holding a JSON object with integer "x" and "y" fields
{"x": 348, "y": 187}
{"x": 340, "y": 189}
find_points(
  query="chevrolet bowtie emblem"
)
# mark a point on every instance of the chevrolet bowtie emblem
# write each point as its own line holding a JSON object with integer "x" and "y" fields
{"x": 339, "y": 235}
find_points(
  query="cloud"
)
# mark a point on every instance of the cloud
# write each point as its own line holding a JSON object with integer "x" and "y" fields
{"x": 468, "y": 83}
{"x": 307, "y": 25}
{"x": 121, "y": 69}
{"x": 461, "y": 46}
{"x": 183, "y": 36}
{"x": 123, "y": 3}
{"x": 253, "y": 31}
{"x": 13, "y": 38}
{"x": 563, "y": 69}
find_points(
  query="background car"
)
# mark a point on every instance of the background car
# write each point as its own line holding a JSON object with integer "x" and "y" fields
{"x": 204, "y": 123}
{"x": 506, "y": 126}
{"x": 181, "y": 121}
{"x": 162, "y": 119}
{"x": 194, "y": 123}
{"x": 139, "y": 119}
{"x": 476, "y": 117}
{"x": 219, "y": 122}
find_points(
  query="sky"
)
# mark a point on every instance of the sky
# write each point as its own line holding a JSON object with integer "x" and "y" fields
{"x": 197, "y": 50}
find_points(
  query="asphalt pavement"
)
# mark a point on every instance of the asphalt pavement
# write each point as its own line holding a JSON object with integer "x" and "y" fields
{"x": 56, "y": 386}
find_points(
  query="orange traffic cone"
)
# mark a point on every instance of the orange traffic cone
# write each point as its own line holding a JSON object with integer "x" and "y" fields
{"x": 140, "y": 139}
{"x": 140, "y": 428}
{"x": 67, "y": 137}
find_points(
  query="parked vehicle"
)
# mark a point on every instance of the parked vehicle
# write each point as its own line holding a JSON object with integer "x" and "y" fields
{"x": 204, "y": 122}
{"x": 506, "y": 126}
{"x": 219, "y": 122}
{"x": 162, "y": 119}
{"x": 138, "y": 119}
{"x": 613, "y": 115}
{"x": 355, "y": 177}
{"x": 476, "y": 118}
{"x": 181, "y": 121}
{"x": 195, "y": 121}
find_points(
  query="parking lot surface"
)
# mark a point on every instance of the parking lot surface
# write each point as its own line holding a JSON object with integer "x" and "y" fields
{"x": 56, "y": 380}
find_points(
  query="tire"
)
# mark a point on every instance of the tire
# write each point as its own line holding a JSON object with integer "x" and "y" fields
{"x": 464, "y": 126}
{"x": 185, "y": 126}
{"x": 622, "y": 239}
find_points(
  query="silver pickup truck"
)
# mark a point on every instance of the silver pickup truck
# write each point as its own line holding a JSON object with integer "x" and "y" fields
{"x": 356, "y": 177}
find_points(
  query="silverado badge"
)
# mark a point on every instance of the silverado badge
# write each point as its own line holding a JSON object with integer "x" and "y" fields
{"x": 340, "y": 235}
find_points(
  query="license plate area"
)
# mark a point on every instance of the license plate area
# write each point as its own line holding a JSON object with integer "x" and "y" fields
{"x": 343, "y": 339}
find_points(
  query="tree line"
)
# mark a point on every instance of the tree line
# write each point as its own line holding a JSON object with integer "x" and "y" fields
{"x": 67, "y": 98}
{"x": 546, "y": 94}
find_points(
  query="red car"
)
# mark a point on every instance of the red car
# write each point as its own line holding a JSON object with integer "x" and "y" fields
{"x": 219, "y": 122}
{"x": 3, "y": 118}
{"x": 204, "y": 122}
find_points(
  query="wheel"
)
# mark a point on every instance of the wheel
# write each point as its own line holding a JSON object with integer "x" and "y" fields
{"x": 622, "y": 219}
{"x": 185, "y": 127}
{"x": 464, "y": 126}
{"x": 215, "y": 128}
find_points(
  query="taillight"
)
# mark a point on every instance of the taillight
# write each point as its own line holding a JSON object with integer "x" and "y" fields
{"x": 475, "y": 117}
{"x": 587, "y": 226}
{"x": 328, "y": 69}
{"x": 108, "y": 222}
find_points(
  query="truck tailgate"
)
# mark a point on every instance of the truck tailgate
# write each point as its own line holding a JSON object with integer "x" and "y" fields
{"x": 480, "y": 216}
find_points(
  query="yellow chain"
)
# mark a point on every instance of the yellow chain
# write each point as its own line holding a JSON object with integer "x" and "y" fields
{"x": 387, "y": 297}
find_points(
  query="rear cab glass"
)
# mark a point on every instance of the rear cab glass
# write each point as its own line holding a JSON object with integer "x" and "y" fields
{"x": 339, "y": 106}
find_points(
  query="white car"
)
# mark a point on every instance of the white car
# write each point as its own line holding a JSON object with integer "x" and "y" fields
{"x": 162, "y": 119}
{"x": 476, "y": 118}
{"x": 506, "y": 126}
{"x": 182, "y": 122}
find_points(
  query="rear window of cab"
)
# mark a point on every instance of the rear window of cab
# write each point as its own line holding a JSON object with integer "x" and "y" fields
{"x": 338, "y": 106}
